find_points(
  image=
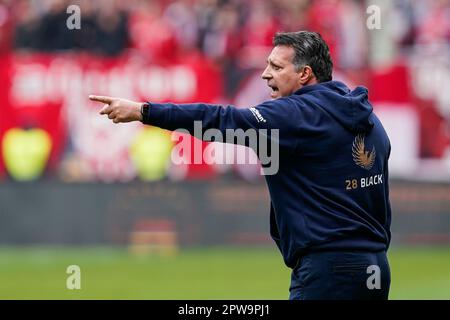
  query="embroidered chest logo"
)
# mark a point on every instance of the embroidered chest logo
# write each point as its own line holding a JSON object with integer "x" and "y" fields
{"x": 362, "y": 158}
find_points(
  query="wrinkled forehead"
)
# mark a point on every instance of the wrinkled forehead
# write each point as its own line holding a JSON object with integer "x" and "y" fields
{"x": 282, "y": 55}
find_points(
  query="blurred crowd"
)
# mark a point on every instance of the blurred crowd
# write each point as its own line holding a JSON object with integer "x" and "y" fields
{"x": 232, "y": 32}
{"x": 236, "y": 36}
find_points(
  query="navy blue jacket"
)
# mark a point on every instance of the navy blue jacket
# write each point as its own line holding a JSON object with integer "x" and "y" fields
{"x": 331, "y": 190}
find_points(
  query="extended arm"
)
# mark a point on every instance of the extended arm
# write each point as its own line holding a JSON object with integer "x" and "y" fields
{"x": 260, "y": 120}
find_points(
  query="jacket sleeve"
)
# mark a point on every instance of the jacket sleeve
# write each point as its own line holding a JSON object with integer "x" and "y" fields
{"x": 272, "y": 120}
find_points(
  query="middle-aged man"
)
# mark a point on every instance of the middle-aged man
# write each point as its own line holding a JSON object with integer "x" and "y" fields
{"x": 330, "y": 214}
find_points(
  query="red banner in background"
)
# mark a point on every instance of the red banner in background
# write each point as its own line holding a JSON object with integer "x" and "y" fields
{"x": 50, "y": 92}
{"x": 4, "y": 89}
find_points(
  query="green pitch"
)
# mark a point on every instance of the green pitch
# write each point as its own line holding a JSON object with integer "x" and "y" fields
{"x": 204, "y": 273}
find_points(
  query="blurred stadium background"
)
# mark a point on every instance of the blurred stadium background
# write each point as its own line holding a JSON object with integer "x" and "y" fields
{"x": 77, "y": 190}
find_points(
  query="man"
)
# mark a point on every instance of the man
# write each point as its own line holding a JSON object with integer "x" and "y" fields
{"x": 330, "y": 214}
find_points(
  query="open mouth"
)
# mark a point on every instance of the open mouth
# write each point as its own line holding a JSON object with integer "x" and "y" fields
{"x": 274, "y": 92}
{"x": 273, "y": 88}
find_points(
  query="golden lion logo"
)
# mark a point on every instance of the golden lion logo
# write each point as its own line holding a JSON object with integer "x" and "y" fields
{"x": 362, "y": 158}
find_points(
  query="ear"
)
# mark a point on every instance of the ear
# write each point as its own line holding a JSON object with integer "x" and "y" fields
{"x": 306, "y": 74}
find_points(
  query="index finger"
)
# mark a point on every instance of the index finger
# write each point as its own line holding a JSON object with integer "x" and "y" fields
{"x": 102, "y": 99}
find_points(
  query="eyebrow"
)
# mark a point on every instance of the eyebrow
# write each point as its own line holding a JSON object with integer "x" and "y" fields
{"x": 274, "y": 63}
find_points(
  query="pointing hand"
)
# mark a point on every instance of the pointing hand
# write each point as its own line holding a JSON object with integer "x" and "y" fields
{"x": 119, "y": 110}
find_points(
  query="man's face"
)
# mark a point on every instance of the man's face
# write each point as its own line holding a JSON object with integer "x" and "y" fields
{"x": 280, "y": 73}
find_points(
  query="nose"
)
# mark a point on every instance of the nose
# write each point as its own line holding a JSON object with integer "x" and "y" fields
{"x": 266, "y": 74}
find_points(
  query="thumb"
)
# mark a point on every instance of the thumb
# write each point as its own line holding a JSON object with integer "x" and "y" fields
{"x": 102, "y": 99}
{"x": 106, "y": 109}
